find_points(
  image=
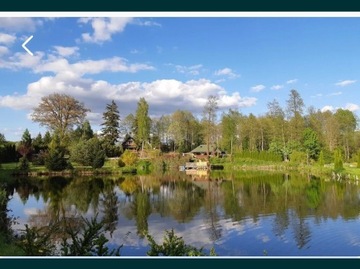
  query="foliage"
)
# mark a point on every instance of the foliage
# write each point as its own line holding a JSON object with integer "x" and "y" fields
{"x": 298, "y": 157}
{"x": 55, "y": 159}
{"x": 173, "y": 245}
{"x": 59, "y": 112}
{"x": 358, "y": 159}
{"x": 143, "y": 167}
{"x": 321, "y": 159}
{"x": 209, "y": 120}
{"x": 338, "y": 162}
{"x": 23, "y": 164}
{"x": 129, "y": 157}
{"x": 37, "y": 241}
{"x": 142, "y": 122}
{"x": 111, "y": 129}
{"x": 311, "y": 143}
{"x": 86, "y": 239}
{"x": 258, "y": 155}
{"x": 25, "y": 146}
{"x": 88, "y": 153}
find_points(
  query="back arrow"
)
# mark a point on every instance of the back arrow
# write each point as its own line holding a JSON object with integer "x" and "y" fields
{"x": 24, "y": 44}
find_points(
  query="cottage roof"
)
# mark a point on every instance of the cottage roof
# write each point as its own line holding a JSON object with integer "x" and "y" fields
{"x": 203, "y": 149}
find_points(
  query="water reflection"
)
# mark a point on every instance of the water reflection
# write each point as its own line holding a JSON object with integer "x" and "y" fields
{"x": 240, "y": 213}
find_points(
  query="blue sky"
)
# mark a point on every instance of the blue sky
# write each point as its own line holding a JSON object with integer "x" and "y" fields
{"x": 176, "y": 63}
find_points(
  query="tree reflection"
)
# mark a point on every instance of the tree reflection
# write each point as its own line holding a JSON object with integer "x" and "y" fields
{"x": 110, "y": 205}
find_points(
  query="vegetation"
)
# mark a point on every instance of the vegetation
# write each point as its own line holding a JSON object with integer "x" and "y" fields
{"x": 285, "y": 136}
{"x": 111, "y": 129}
{"x": 174, "y": 245}
{"x": 59, "y": 112}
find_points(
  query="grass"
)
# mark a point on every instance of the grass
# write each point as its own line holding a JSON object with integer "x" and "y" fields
{"x": 9, "y": 249}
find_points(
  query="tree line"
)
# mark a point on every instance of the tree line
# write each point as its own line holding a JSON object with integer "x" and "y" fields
{"x": 291, "y": 132}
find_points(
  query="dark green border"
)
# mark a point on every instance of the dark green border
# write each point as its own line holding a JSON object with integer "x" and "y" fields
{"x": 183, "y": 5}
{"x": 150, "y": 262}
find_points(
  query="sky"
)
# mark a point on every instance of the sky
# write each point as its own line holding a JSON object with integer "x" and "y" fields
{"x": 175, "y": 62}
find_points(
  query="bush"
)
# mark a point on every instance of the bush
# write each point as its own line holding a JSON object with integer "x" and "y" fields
{"x": 129, "y": 157}
{"x": 173, "y": 245}
{"x": 121, "y": 163}
{"x": 23, "y": 164}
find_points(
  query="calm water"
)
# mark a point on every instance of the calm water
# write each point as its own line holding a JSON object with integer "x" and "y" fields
{"x": 239, "y": 214}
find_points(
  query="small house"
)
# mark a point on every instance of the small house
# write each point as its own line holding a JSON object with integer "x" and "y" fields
{"x": 129, "y": 144}
{"x": 202, "y": 150}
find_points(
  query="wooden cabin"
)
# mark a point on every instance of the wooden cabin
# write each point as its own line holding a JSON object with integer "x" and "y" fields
{"x": 129, "y": 144}
{"x": 200, "y": 152}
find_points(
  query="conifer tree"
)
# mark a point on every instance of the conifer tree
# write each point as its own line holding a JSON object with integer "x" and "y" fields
{"x": 111, "y": 129}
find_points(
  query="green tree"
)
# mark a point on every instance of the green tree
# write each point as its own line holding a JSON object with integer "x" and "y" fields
{"x": 173, "y": 245}
{"x": 55, "y": 159}
{"x": 88, "y": 153}
{"x": 347, "y": 124}
{"x": 295, "y": 107}
{"x": 338, "y": 162}
{"x": 311, "y": 144}
{"x": 111, "y": 129}
{"x": 143, "y": 122}
{"x": 129, "y": 157}
{"x": 59, "y": 112}
{"x": 25, "y": 146}
{"x": 209, "y": 120}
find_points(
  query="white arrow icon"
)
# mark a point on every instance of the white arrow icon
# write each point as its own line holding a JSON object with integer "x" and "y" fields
{"x": 24, "y": 44}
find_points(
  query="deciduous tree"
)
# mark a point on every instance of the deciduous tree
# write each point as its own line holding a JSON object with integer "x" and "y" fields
{"x": 59, "y": 112}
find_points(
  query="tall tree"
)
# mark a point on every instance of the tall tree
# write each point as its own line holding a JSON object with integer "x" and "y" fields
{"x": 111, "y": 128}
{"x": 230, "y": 130}
{"x": 295, "y": 108}
{"x": 347, "y": 125}
{"x": 143, "y": 122}
{"x": 209, "y": 120}
{"x": 25, "y": 146}
{"x": 59, "y": 112}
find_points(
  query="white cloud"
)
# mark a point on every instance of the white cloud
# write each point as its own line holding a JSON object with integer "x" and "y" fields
{"x": 3, "y": 50}
{"x": 277, "y": 87}
{"x": 226, "y": 72}
{"x": 292, "y": 81}
{"x": 19, "y": 24}
{"x": 327, "y": 108}
{"x": 334, "y": 94}
{"x": 66, "y": 51}
{"x": 103, "y": 28}
{"x": 59, "y": 65}
{"x": 163, "y": 96}
{"x": 352, "y": 107}
{"x": 7, "y": 39}
{"x": 257, "y": 88}
{"x": 316, "y": 95}
{"x": 146, "y": 22}
{"x": 344, "y": 83}
{"x": 190, "y": 70}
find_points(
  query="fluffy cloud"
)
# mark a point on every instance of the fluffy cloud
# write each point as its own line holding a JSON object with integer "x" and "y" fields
{"x": 291, "y": 81}
{"x": 65, "y": 51}
{"x": 327, "y": 108}
{"x": 345, "y": 83}
{"x": 189, "y": 70}
{"x": 163, "y": 96}
{"x": 277, "y": 87}
{"x": 3, "y": 50}
{"x": 19, "y": 24}
{"x": 103, "y": 28}
{"x": 257, "y": 88}
{"x": 7, "y": 39}
{"x": 352, "y": 107}
{"x": 226, "y": 72}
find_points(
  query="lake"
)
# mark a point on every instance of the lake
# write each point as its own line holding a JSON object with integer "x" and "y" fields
{"x": 239, "y": 213}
